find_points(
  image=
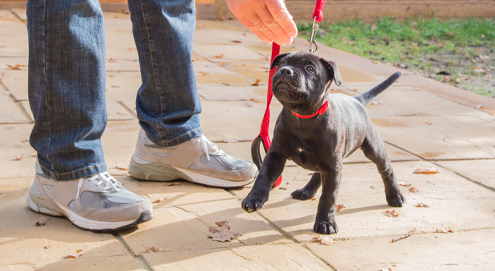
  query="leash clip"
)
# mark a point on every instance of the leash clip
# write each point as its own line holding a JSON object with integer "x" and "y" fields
{"x": 313, "y": 45}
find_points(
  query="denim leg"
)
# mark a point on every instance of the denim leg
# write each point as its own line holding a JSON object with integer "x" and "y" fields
{"x": 67, "y": 86}
{"x": 167, "y": 103}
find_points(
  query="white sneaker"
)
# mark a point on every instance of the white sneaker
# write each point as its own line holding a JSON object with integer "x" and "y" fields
{"x": 96, "y": 203}
{"x": 198, "y": 160}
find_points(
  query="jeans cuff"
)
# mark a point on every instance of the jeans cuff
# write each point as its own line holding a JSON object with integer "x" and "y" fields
{"x": 181, "y": 139}
{"x": 76, "y": 174}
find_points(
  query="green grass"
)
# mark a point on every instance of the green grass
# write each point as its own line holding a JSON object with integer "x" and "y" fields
{"x": 460, "y": 48}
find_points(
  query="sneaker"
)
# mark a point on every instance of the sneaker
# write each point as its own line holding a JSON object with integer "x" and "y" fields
{"x": 96, "y": 203}
{"x": 198, "y": 160}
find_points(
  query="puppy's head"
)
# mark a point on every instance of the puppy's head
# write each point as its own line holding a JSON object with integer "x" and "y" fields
{"x": 302, "y": 80}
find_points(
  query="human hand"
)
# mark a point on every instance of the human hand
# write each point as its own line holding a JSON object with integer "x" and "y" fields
{"x": 268, "y": 19}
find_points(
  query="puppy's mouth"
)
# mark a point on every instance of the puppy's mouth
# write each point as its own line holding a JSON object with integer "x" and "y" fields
{"x": 284, "y": 91}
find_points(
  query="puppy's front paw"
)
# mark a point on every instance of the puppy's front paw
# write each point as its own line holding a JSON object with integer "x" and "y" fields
{"x": 254, "y": 201}
{"x": 329, "y": 227}
{"x": 396, "y": 199}
{"x": 303, "y": 194}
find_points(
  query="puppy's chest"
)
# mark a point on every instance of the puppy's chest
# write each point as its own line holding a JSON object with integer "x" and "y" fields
{"x": 306, "y": 153}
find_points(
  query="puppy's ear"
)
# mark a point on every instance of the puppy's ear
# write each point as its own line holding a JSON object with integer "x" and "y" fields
{"x": 277, "y": 60}
{"x": 332, "y": 70}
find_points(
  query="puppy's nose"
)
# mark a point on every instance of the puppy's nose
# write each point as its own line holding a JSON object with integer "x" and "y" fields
{"x": 286, "y": 71}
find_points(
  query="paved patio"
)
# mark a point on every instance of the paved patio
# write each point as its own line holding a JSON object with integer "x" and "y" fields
{"x": 424, "y": 124}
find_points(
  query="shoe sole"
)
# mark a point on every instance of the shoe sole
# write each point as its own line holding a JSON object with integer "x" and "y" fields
{"x": 149, "y": 171}
{"x": 43, "y": 204}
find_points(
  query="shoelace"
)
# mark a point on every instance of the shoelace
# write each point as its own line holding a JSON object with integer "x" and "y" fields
{"x": 209, "y": 146}
{"x": 103, "y": 179}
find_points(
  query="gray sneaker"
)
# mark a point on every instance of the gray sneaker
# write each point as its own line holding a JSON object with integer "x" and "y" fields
{"x": 96, "y": 203}
{"x": 198, "y": 160}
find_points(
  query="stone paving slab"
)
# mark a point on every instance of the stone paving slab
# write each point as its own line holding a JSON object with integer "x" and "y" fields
{"x": 16, "y": 267}
{"x": 440, "y": 137}
{"x": 464, "y": 250}
{"x": 15, "y": 143}
{"x": 231, "y": 53}
{"x": 480, "y": 171}
{"x": 16, "y": 83}
{"x": 123, "y": 262}
{"x": 362, "y": 193}
{"x": 13, "y": 35}
{"x": 266, "y": 257}
{"x": 11, "y": 112}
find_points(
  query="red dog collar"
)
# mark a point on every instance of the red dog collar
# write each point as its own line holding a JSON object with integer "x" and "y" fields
{"x": 320, "y": 111}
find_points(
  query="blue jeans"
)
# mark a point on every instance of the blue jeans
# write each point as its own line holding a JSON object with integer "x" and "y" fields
{"x": 67, "y": 79}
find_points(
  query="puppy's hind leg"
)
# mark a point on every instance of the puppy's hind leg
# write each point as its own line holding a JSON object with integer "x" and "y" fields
{"x": 308, "y": 191}
{"x": 374, "y": 150}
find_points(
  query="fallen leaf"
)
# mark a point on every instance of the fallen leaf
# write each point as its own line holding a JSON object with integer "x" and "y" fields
{"x": 422, "y": 205}
{"x": 430, "y": 170}
{"x": 112, "y": 60}
{"x": 374, "y": 102}
{"x": 404, "y": 184}
{"x": 2, "y": 191}
{"x": 225, "y": 64}
{"x": 355, "y": 90}
{"x": 413, "y": 190}
{"x": 313, "y": 199}
{"x": 227, "y": 84}
{"x": 219, "y": 56}
{"x": 46, "y": 247}
{"x": 282, "y": 188}
{"x": 444, "y": 231}
{"x": 159, "y": 200}
{"x": 339, "y": 207}
{"x": 480, "y": 106}
{"x": 236, "y": 41}
{"x": 25, "y": 141}
{"x": 78, "y": 254}
{"x": 385, "y": 269}
{"x": 429, "y": 123}
{"x": 172, "y": 184}
{"x": 16, "y": 67}
{"x": 256, "y": 100}
{"x": 19, "y": 157}
{"x": 257, "y": 83}
{"x": 372, "y": 187}
{"x": 154, "y": 249}
{"x": 120, "y": 167}
{"x": 391, "y": 213}
{"x": 403, "y": 236}
{"x": 222, "y": 233}
{"x": 374, "y": 62}
{"x": 41, "y": 221}
{"x": 325, "y": 240}
{"x": 122, "y": 114}
{"x": 230, "y": 140}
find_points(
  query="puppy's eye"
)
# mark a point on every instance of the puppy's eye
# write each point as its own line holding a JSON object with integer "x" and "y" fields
{"x": 310, "y": 69}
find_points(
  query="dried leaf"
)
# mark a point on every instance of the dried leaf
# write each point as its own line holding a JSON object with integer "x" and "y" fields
{"x": 430, "y": 170}
{"x": 355, "y": 90}
{"x": 325, "y": 240}
{"x": 227, "y": 84}
{"x": 311, "y": 173}
{"x": 480, "y": 106}
{"x": 422, "y": 205}
{"x": 256, "y": 100}
{"x": 154, "y": 249}
{"x": 25, "y": 141}
{"x": 222, "y": 233}
{"x": 257, "y": 83}
{"x": 403, "y": 236}
{"x": 120, "y": 167}
{"x": 78, "y": 254}
{"x": 41, "y": 221}
{"x": 374, "y": 102}
{"x": 313, "y": 199}
{"x": 230, "y": 140}
{"x": 404, "y": 184}
{"x": 374, "y": 62}
{"x": 159, "y": 200}
{"x": 413, "y": 190}
{"x": 429, "y": 123}
{"x": 112, "y": 60}
{"x": 282, "y": 188}
{"x": 444, "y": 231}
{"x": 391, "y": 213}
{"x": 339, "y": 207}
{"x": 171, "y": 184}
{"x": 219, "y": 56}
{"x": 16, "y": 67}
{"x": 236, "y": 41}
{"x": 46, "y": 247}
{"x": 19, "y": 157}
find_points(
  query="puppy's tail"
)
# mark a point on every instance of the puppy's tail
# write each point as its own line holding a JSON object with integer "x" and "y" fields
{"x": 368, "y": 96}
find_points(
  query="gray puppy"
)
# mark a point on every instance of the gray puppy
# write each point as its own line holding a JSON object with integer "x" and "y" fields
{"x": 317, "y": 131}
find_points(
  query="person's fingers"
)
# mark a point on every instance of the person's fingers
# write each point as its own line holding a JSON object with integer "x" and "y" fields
{"x": 282, "y": 16}
{"x": 247, "y": 23}
{"x": 280, "y": 36}
{"x": 257, "y": 25}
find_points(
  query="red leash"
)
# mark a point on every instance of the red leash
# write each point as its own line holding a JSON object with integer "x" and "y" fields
{"x": 263, "y": 137}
